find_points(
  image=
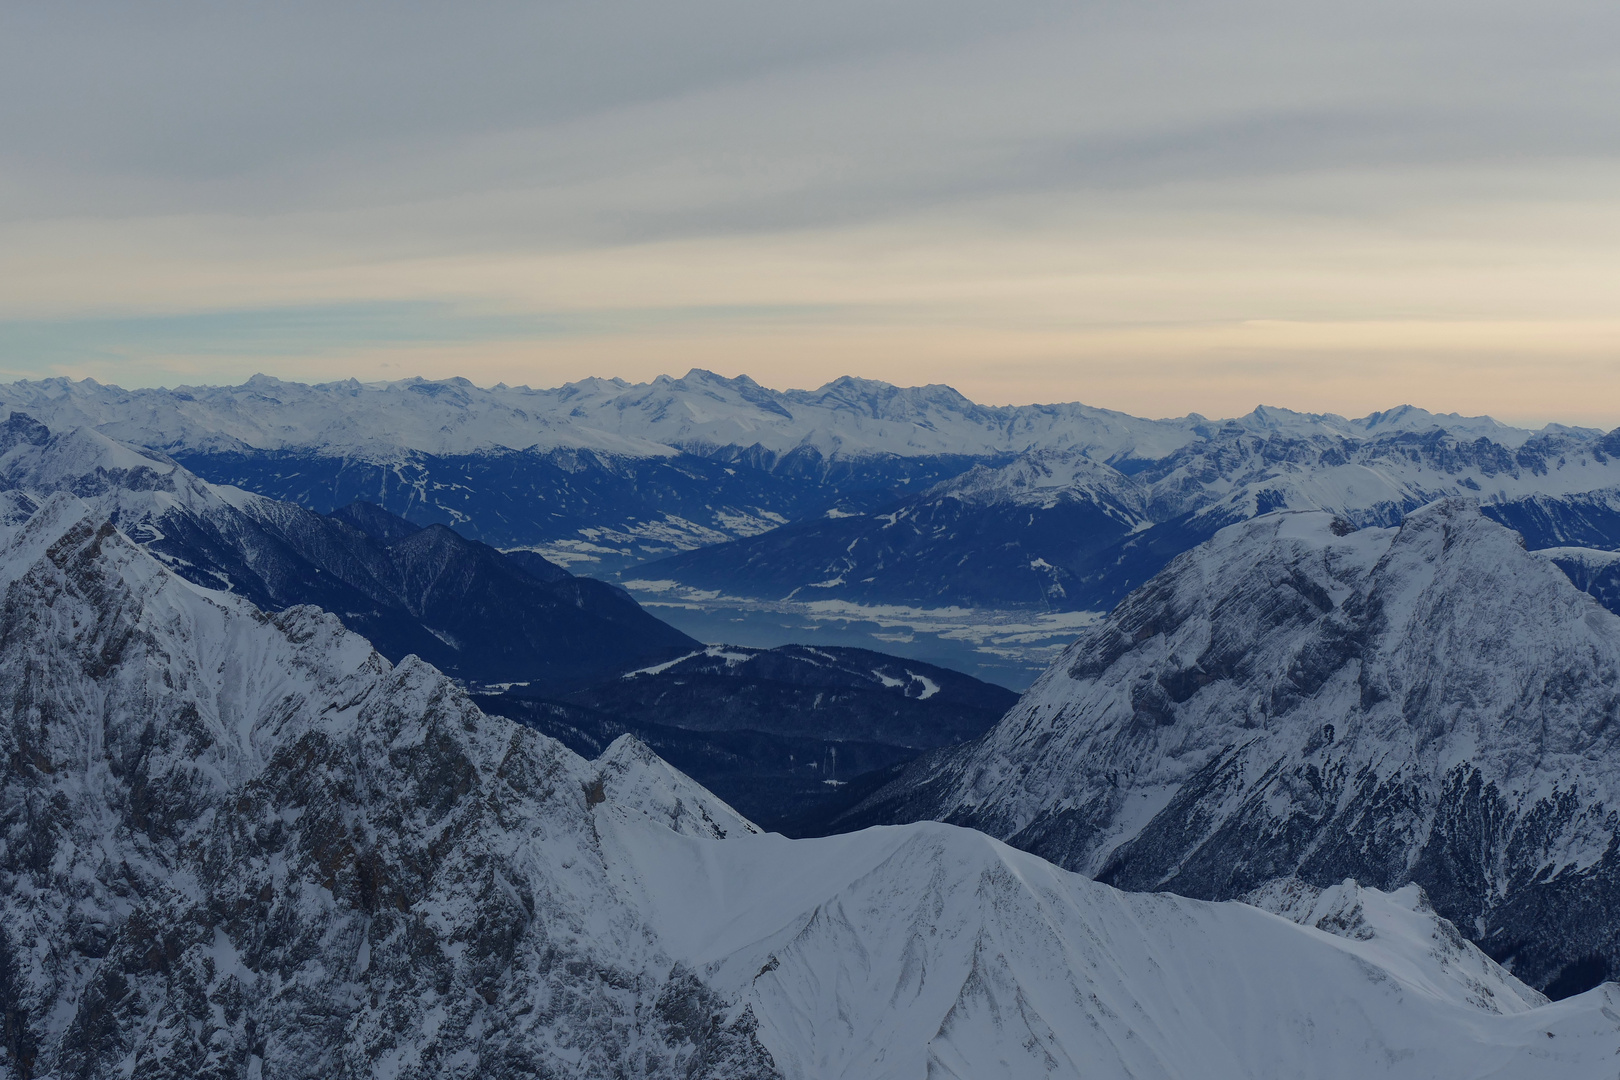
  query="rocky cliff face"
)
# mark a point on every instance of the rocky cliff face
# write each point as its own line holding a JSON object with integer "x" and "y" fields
{"x": 1428, "y": 704}
{"x": 237, "y": 844}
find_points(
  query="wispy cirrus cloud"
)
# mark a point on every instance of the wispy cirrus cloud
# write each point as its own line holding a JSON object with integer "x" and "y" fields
{"x": 930, "y": 187}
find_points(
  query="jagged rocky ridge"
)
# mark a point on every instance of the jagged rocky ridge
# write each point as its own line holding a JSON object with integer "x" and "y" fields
{"x": 1428, "y": 703}
{"x": 236, "y": 844}
{"x": 239, "y": 844}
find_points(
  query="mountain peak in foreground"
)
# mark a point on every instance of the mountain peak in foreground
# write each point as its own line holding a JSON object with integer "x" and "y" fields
{"x": 1428, "y": 703}
{"x": 245, "y": 845}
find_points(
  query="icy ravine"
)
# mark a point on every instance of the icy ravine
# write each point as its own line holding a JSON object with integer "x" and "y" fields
{"x": 1430, "y": 703}
{"x": 240, "y": 845}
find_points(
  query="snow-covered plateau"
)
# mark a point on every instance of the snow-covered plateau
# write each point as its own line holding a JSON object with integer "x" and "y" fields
{"x": 235, "y": 844}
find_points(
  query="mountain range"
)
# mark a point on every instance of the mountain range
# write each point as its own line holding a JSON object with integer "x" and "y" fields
{"x": 458, "y": 604}
{"x": 611, "y": 473}
{"x": 883, "y": 509}
{"x": 577, "y": 658}
{"x": 847, "y": 418}
{"x": 235, "y": 844}
{"x": 1060, "y": 530}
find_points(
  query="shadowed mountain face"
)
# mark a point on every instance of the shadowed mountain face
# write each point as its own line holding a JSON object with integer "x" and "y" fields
{"x": 780, "y": 734}
{"x": 827, "y": 693}
{"x": 1594, "y": 572}
{"x": 986, "y": 538}
{"x": 463, "y": 606}
{"x": 600, "y": 510}
{"x": 1429, "y": 703}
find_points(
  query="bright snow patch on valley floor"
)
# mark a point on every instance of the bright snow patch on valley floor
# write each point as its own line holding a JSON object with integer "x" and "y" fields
{"x": 1006, "y": 646}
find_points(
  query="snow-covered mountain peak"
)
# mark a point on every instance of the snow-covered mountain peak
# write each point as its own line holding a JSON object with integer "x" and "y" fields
{"x": 1405, "y": 931}
{"x": 131, "y": 487}
{"x": 1044, "y": 479}
{"x": 631, "y": 777}
{"x": 1269, "y": 419}
{"x": 85, "y": 459}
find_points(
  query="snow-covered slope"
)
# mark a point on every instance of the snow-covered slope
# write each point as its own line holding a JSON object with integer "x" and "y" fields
{"x": 234, "y": 844}
{"x": 1372, "y": 480}
{"x": 931, "y": 951}
{"x": 1430, "y": 703}
{"x": 994, "y": 536}
{"x": 1403, "y": 930}
{"x": 847, "y": 417}
{"x": 632, "y": 776}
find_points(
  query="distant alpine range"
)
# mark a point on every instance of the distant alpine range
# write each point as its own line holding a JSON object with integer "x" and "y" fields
{"x": 332, "y": 749}
{"x": 705, "y": 494}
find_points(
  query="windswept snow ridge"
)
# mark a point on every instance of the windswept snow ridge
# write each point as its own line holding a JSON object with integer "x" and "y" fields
{"x": 931, "y": 951}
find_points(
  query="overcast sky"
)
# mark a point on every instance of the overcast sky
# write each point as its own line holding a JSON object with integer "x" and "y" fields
{"x": 1157, "y": 206}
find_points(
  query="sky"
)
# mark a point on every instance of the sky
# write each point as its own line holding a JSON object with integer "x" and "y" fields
{"x": 1159, "y": 206}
